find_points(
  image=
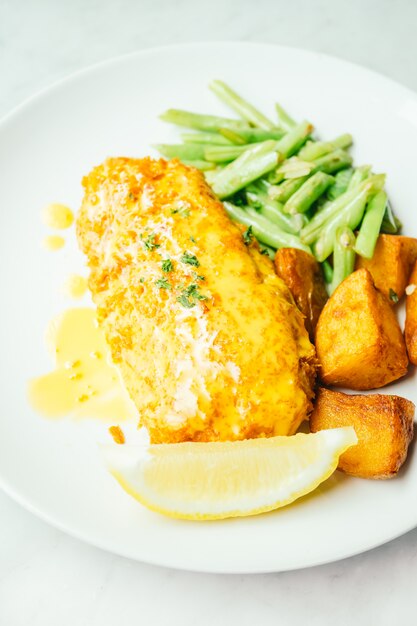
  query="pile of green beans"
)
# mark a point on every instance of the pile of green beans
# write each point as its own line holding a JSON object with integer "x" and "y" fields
{"x": 292, "y": 189}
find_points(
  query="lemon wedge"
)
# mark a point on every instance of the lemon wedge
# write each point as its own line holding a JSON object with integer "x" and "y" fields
{"x": 204, "y": 481}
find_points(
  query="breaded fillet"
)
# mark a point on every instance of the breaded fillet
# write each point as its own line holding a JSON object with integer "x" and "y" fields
{"x": 208, "y": 339}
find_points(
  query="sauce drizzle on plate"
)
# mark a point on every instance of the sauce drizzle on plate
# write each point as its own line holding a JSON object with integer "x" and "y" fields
{"x": 84, "y": 383}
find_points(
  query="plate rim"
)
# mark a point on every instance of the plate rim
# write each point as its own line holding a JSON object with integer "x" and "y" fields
{"x": 40, "y": 94}
{"x": 43, "y": 91}
{"x": 169, "y": 563}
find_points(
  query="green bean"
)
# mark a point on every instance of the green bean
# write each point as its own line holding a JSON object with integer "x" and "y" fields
{"x": 204, "y": 166}
{"x": 327, "y": 271}
{"x": 371, "y": 225}
{"x": 241, "y": 106}
{"x": 291, "y": 168}
{"x": 251, "y": 135}
{"x": 263, "y": 229}
{"x": 295, "y": 168}
{"x": 262, "y": 188}
{"x": 271, "y": 210}
{"x": 210, "y": 123}
{"x": 252, "y": 164}
{"x": 390, "y": 223}
{"x": 224, "y": 154}
{"x": 278, "y": 237}
{"x": 341, "y": 183}
{"x": 333, "y": 162}
{"x": 317, "y": 149}
{"x": 188, "y": 151}
{"x": 343, "y": 256}
{"x": 314, "y": 150}
{"x": 328, "y": 164}
{"x": 233, "y": 137}
{"x": 274, "y": 179}
{"x": 285, "y": 120}
{"x": 285, "y": 190}
{"x": 360, "y": 174}
{"x": 261, "y": 185}
{"x": 308, "y": 193}
{"x": 215, "y": 139}
{"x": 350, "y": 216}
{"x": 211, "y": 175}
{"x": 291, "y": 194}
{"x": 294, "y": 139}
{"x": 311, "y": 231}
{"x": 342, "y": 141}
{"x": 288, "y": 173}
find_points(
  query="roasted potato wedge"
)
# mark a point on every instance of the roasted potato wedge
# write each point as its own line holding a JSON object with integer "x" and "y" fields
{"x": 304, "y": 278}
{"x": 411, "y": 317}
{"x": 383, "y": 424}
{"x": 359, "y": 342}
{"x": 391, "y": 264}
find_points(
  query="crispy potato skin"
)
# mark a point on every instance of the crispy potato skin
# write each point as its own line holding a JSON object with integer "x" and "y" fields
{"x": 358, "y": 339}
{"x": 391, "y": 264}
{"x": 411, "y": 320}
{"x": 304, "y": 278}
{"x": 383, "y": 424}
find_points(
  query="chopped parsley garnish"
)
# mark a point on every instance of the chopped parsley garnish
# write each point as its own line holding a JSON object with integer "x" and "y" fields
{"x": 185, "y": 302}
{"x": 149, "y": 243}
{"x": 247, "y": 235}
{"x": 162, "y": 283}
{"x": 182, "y": 209}
{"x": 167, "y": 265}
{"x": 190, "y": 259}
{"x": 265, "y": 251}
{"x": 192, "y": 239}
{"x": 141, "y": 280}
{"x": 190, "y": 295}
{"x": 393, "y": 296}
{"x": 198, "y": 277}
{"x": 192, "y": 292}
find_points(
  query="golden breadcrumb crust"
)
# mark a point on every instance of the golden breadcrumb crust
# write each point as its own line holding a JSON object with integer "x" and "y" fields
{"x": 207, "y": 338}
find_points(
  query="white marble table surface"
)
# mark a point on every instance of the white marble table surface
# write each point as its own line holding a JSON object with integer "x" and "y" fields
{"x": 49, "y": 579}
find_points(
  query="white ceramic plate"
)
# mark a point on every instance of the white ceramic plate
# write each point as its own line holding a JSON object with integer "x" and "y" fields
{"x": 46, "y": 146}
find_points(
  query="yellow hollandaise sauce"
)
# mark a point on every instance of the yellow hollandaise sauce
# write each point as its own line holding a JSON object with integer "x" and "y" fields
{"x": 84, "y": 383}
{"x": 75, "y": 286}
{"x": 57, "y": 215}
{"x": 53, "y": 242}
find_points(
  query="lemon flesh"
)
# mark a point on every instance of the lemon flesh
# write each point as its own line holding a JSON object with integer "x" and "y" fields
{"x": 203, "y": 481}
